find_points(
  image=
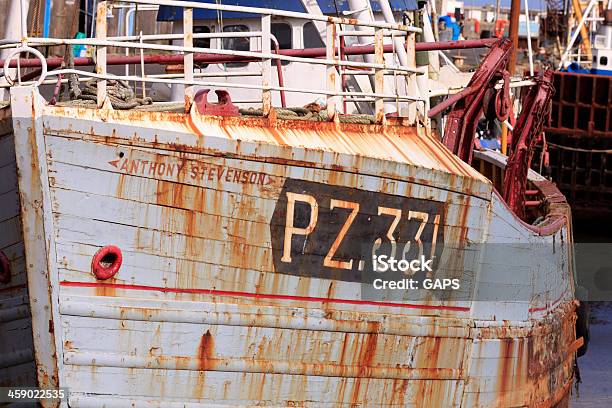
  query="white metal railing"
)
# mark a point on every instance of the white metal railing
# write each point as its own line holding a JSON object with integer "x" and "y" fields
{"x": 335, "y": 66}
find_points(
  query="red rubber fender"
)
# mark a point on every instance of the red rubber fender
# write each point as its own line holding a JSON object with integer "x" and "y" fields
{"x": 5, "y": 269}
{"x": 106, "y": 262}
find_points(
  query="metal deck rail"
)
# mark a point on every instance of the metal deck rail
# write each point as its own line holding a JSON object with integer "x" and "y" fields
{"x": 386, "y": 62}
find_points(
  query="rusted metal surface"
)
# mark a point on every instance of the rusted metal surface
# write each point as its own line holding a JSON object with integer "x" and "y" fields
{"x": 224, "y": 106}
{"x": 581, "y": 167}
{"x": 462, "y": 120}
{"x": 582, "y": 106}
{"x": 527, "y": 132}
{"x": 578, "y": 145}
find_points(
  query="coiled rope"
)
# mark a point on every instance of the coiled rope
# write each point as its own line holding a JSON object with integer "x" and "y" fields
{"x": 310, "y": 115}
{"x": 118, "y": 92}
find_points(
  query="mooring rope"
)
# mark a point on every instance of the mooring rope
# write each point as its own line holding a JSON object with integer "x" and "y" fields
{"x": 118, "y": 92}
{"x": 299, "y": 113}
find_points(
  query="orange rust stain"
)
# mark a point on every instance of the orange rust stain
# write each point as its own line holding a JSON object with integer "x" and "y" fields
{"x": 343, "y": 349}
{"x": 329, "y": 310}
{"x": 505, "y": 374}
{"x": 107, "y": 290}
{"x": 434, "y": 354}
{"x": 205, "y": 351}
{"x": 120, "y": 186}
{"x": 260, "y": 393}
{"x": 398, "y": 393}
{"x": 277, "y": 136}
{"x": 364, "y": 358}
{"x": 191, "y": 247}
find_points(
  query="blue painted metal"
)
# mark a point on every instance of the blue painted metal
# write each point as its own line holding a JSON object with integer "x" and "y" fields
{"x": 575, "y": 67}
{"x": 452, "y": 25}
{"x": 167, "y": 13}
{"x": 328, "y": 7}
{"x": 47, "y": 19}
{"x": 534, "y": 29}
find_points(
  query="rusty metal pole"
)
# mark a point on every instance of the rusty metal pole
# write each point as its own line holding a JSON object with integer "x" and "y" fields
{"x": 515, "y": 11}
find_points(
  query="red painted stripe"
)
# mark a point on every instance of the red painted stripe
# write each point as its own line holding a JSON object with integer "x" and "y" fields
{"x": 259, "y": 295}
{"x": 553, "y": 304}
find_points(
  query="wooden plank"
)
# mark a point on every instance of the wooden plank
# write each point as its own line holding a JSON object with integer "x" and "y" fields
{"x": 404, "y": 158}
{"x": 244, "y": 389}
{"x": 15, "y": 251}
{"x": 261, "y": 343}
{"x": 9, "y": 204}
{"x": 193, "y": 198}
{"x": 11, "y": 232}
{"x": 18, "y": 355}
{"x": 163, "y": 218}
{"x": 8, "y": 178}
{"x": 18, "y": 274}
{"x": 143, "y": 268}
{"x": 27, "y": 106}
{"x": 7, "y": 150}
{"x": 128, "y": 238}
{"x": 230, "y": 253}
{"x": 79, "y": 152}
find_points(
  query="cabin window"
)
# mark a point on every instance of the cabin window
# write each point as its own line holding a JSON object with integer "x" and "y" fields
{"x": 312, "y": 39}
{"x": 603, "y": 61}
{"x": 282, "y": 32}
{"x": 236, "y": 44}
{"x": 201, "y": 42}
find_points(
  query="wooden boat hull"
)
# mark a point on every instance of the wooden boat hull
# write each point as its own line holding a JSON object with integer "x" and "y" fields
{"x": 210, "y": 308}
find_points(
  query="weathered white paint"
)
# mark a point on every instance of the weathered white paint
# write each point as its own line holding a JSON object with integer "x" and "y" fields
{"x": 16, "y": 349}
{"x": 209, "y": 322}
{"x": 30, "y": 152}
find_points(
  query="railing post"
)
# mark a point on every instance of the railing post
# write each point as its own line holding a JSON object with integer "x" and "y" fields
{"x": 188, "y": 56}
{"x": 100, "y": 52}
{"x": 333, "y": 80}
{"x": 413, "y": 87}
{"x": 266, "y": 64}
{"x": 379, "y": 76}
